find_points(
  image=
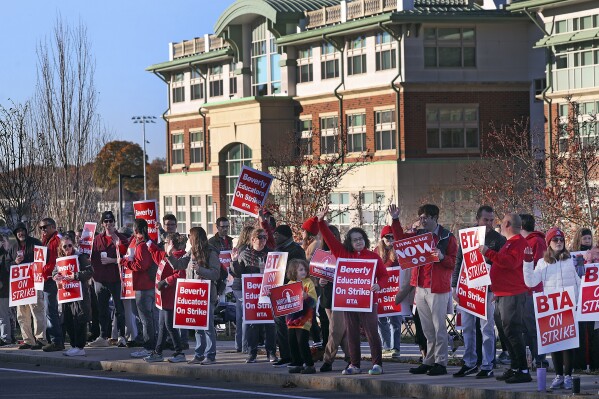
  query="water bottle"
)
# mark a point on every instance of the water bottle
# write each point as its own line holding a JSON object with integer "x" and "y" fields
{"x": 528, "y": 358}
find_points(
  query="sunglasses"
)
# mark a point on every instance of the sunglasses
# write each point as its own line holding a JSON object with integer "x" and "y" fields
{"x": 389, "y": 236}
{"x": 44, "y": 227}
{"x": 108, "y": 221}
{"x": 67, "y": 246}
{"x": 262, "y": 237}
{"x": 557, "y": 239}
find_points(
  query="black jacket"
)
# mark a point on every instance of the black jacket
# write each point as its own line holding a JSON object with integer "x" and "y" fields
{"x": 30, "y": 242}
{"x": 82, "y": 310}
{"x": 294, "y": 250}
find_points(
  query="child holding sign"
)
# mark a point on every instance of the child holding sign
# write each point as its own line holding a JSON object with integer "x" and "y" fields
{"x": 299, "y": 323}
{"x": 556, "y": 271}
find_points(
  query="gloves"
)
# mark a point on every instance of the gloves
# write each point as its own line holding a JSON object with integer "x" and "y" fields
{"x": 528, "y": 257}
{"x": 162, "y": 284}
{"x": 149, "y": 243}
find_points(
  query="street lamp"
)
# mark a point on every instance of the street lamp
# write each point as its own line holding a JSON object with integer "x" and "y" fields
{"x": 143, "y": 120}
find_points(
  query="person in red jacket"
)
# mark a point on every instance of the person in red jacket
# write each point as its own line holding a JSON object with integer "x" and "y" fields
{"x": 433, "y": 286}
{"x": 507, "y": 283}
{"x": 355, "y": 245}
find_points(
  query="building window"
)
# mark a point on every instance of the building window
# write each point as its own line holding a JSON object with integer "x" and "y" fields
{"x": 216, "y": 88}
{"x": 386, "y": 56}
{"x": 452, "y": 127}
{"x": 305, "y": 70}
{"x": 197, "y": 91}
{"x": 449, "y": 48}
{"x": 329, "y": 62}
{"x": 339, "y": 209}
{"x": 356, "y": 57}
{"x": 575, "y": 24}
{"x": 181, "y": 215}
{"x": 585, "y": 127}
{"x": 178, "y": 148}
{"x": 237, "y": 156}
{"x": 329, "y": 135}
{"x": 372, "y": 213}
{"x": 356, "y": 133}
{"x": 168, "y": 205}
{"x": 305, "y": 139}
{"x": 196, "y": 146}
{"x": 209, "y": 215}
{"x": 232, "y": 79}
{"x": 196, "y": 211}
{"x": 215, "y": 80}
{"x": 266, "y": 72}
{"x": 178, "y": 77}
{"x": 576, "y": 66}
{"x": 178, "y": 94}
{"x": 384, "y": 130}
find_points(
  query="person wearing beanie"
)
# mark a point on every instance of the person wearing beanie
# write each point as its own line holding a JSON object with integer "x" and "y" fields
{"x": 556, "y": 271}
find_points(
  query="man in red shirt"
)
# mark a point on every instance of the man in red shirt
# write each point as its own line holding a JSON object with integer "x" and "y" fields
{"x": 507, "y": 283}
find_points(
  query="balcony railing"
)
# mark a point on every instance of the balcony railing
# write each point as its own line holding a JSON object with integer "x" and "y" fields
{"x": 353, "y": 10}
{"x": 197, "y": 46}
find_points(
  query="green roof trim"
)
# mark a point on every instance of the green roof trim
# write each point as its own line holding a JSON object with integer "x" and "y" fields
{"x": 434, "y": 3}
{"x": 568, "y": 38}
{"x": 194, "y": 59}
{"x": 520, "y": 5}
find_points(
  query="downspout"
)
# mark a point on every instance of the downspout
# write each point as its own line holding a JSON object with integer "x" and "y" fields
{"x": 336, "y": 91}
{"x": 203, "y": 114}
{"x": 168, "y": 153}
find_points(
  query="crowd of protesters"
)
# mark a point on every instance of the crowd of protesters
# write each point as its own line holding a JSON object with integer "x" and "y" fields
{"x": 522, "y": 261}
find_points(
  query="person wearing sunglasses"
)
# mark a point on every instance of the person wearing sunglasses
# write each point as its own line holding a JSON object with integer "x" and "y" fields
{"x": 76, "y": 314}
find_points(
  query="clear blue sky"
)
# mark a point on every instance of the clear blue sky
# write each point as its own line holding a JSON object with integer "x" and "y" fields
{"x": 126, "y": 37}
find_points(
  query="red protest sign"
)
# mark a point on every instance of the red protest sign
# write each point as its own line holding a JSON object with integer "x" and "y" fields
{"x": 69, "y": 290}
{"x": 148, "y": 210}
{"x": 157, "y": 293}
{"x": 472, "y": 300}
{"x": 127, "y": 284}
{"x": 251, "y": 191}
{"x": 192, "y": 304}
{"x": 322, "y": 265}
{"x": 588, "y": 300}
{"x": 39, "y": 261}
{"x": 22, "y": 286}
{"x": 86, "y": 242}
{"x": 352, "y": 285}
{"x": 287, "y": 299}
{"x": 225, "y": 262}
{"x": 557, "y": 329}
{"x": 274, "y": 274}
{"x": 477, "y": 269}
{"x": 472, "y": 238}
{"x": 254, "y": 312}
{"x": 385, "y": 298}
{"x": 415, "y": 251}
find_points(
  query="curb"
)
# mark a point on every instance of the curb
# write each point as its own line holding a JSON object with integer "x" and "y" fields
{"x": 362, "y": 384}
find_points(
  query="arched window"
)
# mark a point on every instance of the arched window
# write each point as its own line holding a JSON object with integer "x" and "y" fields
{"x": 237, "y": 156}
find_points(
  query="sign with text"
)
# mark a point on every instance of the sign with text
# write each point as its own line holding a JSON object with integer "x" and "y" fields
{"x": 254, "y": 312}
{"x": 127, "y": 284}
{"x": 322, "y": 265}
{"x": 274, "y": 274}
{"x": 192, "y": 304}
{"x": 69, "y": 290}
{"x": 415, "y": 251}
{"x": 225, "y": 262}
{"x": 287, "y": 299}
{"x": 557, "y": 328}
{"x": 40, "y": 256}
{"x": 472, "y": 300}
{"x": 472, "y": 238}
{"x": 385, "y": 298}
{"x": 588, "y": 299}
{"x": 470, "y": 241}
{"x": 86, "y": 242}
{"x": 148, "y": 210}
{"x": 22, "y": 285}
{"x": 251, "y": 191}
{"x": 352, "y": 285}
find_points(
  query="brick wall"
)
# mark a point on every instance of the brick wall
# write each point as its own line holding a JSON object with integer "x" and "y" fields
{"x": 186, "y": 126}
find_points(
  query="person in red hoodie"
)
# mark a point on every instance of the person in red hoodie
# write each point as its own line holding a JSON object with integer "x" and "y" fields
{"x": 355, "y": 245}
{"x": 507, "y": 283}
{"x": 433, "y": 286}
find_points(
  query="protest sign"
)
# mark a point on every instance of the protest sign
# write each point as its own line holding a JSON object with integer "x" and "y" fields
{"x": 322, "y": 265}
{"x": 225, "y": 262}
{"x": 557, "y": 328}
{"x": 472, "y": 300}
{"x": 40, "y": 255}
{"x": 127, "y": 284}
{"x": 287, "y": 299}
{"x": 69, "y": 290}
{"x": 157, "y": 293}
{"x": 86, "y": 242}
{"x": 254, "y": 312}
{"x": 274, "y": 274}
{"x": 472, "y": 238}
{"x": 192, "y": 304}
{"x": 588, "y": 299}
{"x": 352, "y": 285}
{"x": 385, "y": 298}
{"x": 251, "y": 191}
{"x": 148, "y": 210}
{"x": 415, "y": 251}
{"x": 22, "y": 285}
{"x": 470, "y": 241}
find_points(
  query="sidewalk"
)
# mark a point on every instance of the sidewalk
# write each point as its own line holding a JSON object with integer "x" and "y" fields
{"x": 231, "y": 366}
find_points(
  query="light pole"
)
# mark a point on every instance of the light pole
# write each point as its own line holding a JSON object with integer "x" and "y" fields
{"x": 143, "y": 120}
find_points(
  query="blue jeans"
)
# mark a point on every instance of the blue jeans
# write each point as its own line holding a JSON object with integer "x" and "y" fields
{"x": 487, "y": 328}
{"x": 241, "y": 342}
{"x": 206, "y": 339}
{"x": 390, "y": 331}
{"x": 145, "y": 307}
{"x": 53, "y": 325}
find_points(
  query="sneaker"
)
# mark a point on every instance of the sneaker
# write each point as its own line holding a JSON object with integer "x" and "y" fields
{"x": 281, "y": 363}
{"x": 506, "y": 374}
{"x": 53, "y": 347}
{"x": 75, "y": 352}
{"x": 437, "y": 369}
{"x": 387, "y": 352}
{"x": 141, "y": 354}
{"x": 196, "y": 360}
{"x": 272, "y": 358}
{"x": 99, "y": 343}
{"x": 504, "y": 358}
{"x": 558, "y": 382}
{"x": 154, "y": 358}
{"x": 422, "y": 369}
{"x": 208, "y": 361}
{"x": 178, "y": 357}
{"x": 485, "y": 374}
{"x": 519, "y": 377}
{"x": 376, "y": 370}
{"x": 251, "y": 359}
{"x": 395, "y": 354}
{"x": 326, "y": 367}
{"x": 568, "y": 382}
{"x": 295, "y": 369}
{"x": 466, "y": 370}
{"x": 25, "y": 346}
{"x": 113, "y": 341}
{"x": 351, "y": 370}
{"x": 308, "y": 370}
{"x": 121, "y": 343}
{"x": 37, "y": 345}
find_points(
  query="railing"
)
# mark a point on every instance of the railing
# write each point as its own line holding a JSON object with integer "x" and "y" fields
{"x": 354, "y": 9}
{"x": 197, "y": 46}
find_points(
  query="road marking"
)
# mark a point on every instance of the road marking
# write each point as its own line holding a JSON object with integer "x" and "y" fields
{"x": 164, "y": 384}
